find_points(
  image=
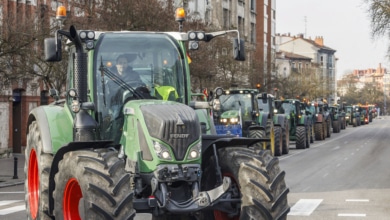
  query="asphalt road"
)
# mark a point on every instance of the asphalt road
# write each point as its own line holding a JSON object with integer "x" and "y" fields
{"x": 346, "y": 176}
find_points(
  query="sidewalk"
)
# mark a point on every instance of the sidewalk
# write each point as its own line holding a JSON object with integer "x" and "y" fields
{"x": 7, "y": 177}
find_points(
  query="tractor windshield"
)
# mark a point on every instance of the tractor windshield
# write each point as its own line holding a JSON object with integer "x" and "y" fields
{"x": 239, "y": 101}
{"x": 263, "y": 105}
{"x": 135, "y": 65}
{"x": 152, "y": 61}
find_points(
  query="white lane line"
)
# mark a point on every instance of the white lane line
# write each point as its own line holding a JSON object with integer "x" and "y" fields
{"x": 11, "y": 192}
{"x": 12, "y": 209}
{"x": 351, "y": 215}
{"x": 7, "y": 202}
{"x": 357, "y": 200}
{"x": 304, "y": 207}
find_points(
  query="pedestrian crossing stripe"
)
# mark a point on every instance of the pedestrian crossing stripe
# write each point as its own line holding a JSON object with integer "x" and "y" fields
{"x": 304, "y": 207}
{"x": 12, "y": 209}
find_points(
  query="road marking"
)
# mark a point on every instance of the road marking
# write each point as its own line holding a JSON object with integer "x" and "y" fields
{"x": 11, "y": 192}
{"x": 304, "y": 207}
{"x": 7, "y": 202}
{"x": 351, "y": 215}
{"x": 357, "y": 200}
{"x": 12, "y": 209}
{"x": 336, "y": 148}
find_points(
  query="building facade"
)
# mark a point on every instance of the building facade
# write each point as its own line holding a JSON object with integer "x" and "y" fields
{"x": 18, "y": 97}
{"x": 323, "y": 60}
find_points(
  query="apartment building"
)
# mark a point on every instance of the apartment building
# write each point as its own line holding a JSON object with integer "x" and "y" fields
{"x": 19, "y": 96}
{"x": 323, "y": 59}
{"x": 376, "y": 77}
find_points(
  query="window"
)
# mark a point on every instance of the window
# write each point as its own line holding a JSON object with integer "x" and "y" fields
{"x": 226, "y": 18}
{"x": 253, "y": 5}
{"x": 241, "y": 25}
{"x": 253, "y": 33}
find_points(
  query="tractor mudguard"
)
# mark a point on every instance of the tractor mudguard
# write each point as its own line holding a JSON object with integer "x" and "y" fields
{"x": 207, "y": 124}
{"x": 302, "y": 121}
{"x": 263, "y": 119}
{"x": 72, "y": 146}
{"x": 222, "y": 141}
{"x": 57, "y": 132}
{"x": 320, "y": 118}
{"x": 279, "y": 120}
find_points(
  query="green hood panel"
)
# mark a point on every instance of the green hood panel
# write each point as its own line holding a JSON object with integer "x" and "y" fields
{"x": 230, "y": 114}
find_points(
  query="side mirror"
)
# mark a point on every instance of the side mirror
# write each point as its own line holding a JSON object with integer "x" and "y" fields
{"x": 239, "y": 49}
{"x": 53, "y": 50}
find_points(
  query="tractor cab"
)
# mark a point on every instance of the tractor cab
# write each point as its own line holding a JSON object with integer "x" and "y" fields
{"x": 234, "y": 110}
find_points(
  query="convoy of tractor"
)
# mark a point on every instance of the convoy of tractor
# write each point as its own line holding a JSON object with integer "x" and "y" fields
{"x": 113, "y": 148}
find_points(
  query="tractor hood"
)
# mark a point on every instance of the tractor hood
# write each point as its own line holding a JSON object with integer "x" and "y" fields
{"x": 171, "y": 123}
{"x": 230, "y": 114}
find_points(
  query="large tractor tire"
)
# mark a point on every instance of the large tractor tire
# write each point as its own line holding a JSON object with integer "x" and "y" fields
{"x": 343, "y": 124}
{"x": 308, "y": 130}
{"x": 329, "y": 127}
{"x": 301, "y": 136}
{"x": 93, "y": 184}
{"x": 336, "y": 126}
{"x": 354, "y": 122}
{"x": 259, "y": 146}
{"x": 270, "y": 133}
{"x": 257, "y": 181}
{"x": 278, "y": 141}
{"x": 311, "y": 133}
{"x": 319, "y": 131}
{"x": 286, "y": 138}
{"x": 36, "y": 168}
{"x": 325, "y": 127}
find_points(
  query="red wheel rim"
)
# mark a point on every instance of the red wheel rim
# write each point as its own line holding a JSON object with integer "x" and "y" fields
{"x": 72, "y": 196}
{"x": 33, "y": 184}
{"x": 219, "y": 215}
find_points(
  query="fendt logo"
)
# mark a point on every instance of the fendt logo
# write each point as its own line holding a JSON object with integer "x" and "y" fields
{"x": 178, "y": 136}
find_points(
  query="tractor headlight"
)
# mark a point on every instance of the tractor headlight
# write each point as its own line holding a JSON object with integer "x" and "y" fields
{"x": 223, "y": 120}
{"x": 162, "y": 151}
{"x": 233, "y": 120}
{"x": 195, "y": 151}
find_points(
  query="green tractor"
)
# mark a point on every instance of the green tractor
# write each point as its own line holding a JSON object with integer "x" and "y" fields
{"x": 322, "y": 126}
{"x": 299, "y": 123}
{"x": 352, "y": 115}
{"x": 338, "y": 120}
{"x": 236, "y": 112}
{"x": 266, "y": 103}
{"x": 113, "y": 148}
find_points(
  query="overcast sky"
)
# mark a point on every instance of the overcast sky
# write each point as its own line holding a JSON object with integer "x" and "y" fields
{"x": 344, "y": 26}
